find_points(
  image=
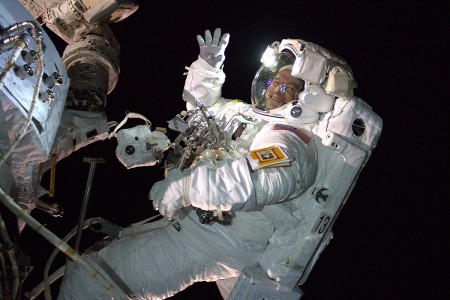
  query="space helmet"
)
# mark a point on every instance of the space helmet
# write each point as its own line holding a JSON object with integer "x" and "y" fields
{"x": 323, "y": 77}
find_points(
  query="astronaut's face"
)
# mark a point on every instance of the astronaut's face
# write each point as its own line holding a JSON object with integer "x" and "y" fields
{"x": 282, "y": 89}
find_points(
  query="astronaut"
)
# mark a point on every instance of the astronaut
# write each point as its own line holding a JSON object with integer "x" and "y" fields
{"x": 265, "y": 162}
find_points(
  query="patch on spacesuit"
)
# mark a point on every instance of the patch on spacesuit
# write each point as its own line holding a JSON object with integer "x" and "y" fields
{"x": 303, "y": 134}
{"x": 269, "y": 157}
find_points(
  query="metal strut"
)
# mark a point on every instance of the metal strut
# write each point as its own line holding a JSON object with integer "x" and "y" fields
{"x": 93, "y": 162}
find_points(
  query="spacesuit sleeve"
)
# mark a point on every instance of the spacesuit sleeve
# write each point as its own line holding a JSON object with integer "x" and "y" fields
{"x": 280, "y": 184}
{"x": 232, "y": 185}
{"x": 204, "y": 82}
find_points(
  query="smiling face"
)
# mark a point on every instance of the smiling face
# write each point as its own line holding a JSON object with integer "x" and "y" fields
{"x": 282, "y": 89}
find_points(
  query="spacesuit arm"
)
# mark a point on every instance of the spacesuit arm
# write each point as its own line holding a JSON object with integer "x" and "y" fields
{"x": 224, "y": 185}
{"x": 274, "y": 185}
{"x": 232, "y": 185}
{"x": 204, "y": 82}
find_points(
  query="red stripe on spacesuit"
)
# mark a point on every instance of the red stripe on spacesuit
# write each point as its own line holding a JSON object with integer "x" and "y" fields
{"x": 304, "y": 135}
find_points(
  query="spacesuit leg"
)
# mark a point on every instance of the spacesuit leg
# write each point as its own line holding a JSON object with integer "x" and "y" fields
{"x": 165, "y": 261}
{"x": 158, "y": 265}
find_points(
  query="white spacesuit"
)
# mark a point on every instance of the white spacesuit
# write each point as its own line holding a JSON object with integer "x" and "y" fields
{"x": 260, "y": 167}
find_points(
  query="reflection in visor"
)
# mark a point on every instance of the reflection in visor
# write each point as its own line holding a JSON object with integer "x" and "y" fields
{"x": 282, "y": 87}
{"x": 265, "y": 78}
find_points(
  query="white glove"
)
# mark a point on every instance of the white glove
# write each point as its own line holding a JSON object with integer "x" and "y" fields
{"x": 212, "y": 50}
{"x": 167, "y": 194}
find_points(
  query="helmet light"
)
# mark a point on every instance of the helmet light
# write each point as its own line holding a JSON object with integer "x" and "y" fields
{"x": 269, "y": 56}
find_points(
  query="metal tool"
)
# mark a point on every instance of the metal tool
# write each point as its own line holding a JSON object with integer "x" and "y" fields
{"x": 52, "y": 209}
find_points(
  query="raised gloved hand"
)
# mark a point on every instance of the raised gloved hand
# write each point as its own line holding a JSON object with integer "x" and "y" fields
{"x": 212, "y": 50}
{"x": 167, "y": 194}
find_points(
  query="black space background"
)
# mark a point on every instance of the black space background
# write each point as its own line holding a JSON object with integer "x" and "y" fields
{"x": 391, "y": 239}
